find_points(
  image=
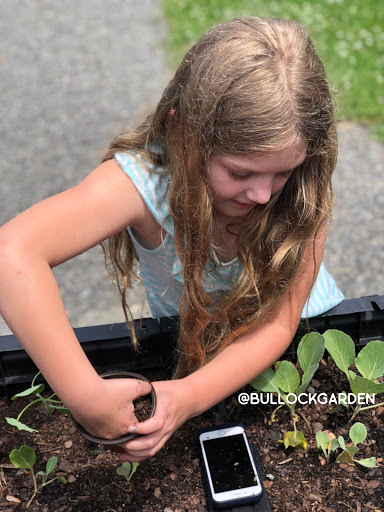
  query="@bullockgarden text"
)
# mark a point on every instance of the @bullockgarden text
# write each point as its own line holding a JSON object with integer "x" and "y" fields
{"x": 306, "y": 398}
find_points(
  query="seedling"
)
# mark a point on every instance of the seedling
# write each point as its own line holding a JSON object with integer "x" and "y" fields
{"x": 127, "y": 470}
{"x": 369, "y": 362}
{"x": 327, "y": 442}
{"x": 25, "y": 458}
{"x": 285, "y": 382}
{"x": 357, "y": 433}
{"x": 50, "y": 404}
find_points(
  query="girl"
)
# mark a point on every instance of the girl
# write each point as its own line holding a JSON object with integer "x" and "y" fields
{"x": 226, "y": 192}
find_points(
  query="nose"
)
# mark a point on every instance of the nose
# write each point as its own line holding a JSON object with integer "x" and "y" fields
{"x": 260, "y": 190}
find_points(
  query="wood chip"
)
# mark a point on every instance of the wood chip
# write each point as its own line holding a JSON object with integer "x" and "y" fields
{"x": 285, "y": 461}
{"x": 373, "y": 484}
{"x": 12, "y": 499}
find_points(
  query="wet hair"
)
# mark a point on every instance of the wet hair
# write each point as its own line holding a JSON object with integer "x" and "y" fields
{"x": 251, "y": 85}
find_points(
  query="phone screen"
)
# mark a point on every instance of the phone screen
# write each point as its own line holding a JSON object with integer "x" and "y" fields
{"x": 229, "y": 463}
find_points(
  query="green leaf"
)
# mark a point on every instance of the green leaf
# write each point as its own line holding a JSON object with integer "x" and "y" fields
{"x": 135, "y": 465}
{"x": 39, "y": 388}
{"x": 51, "y": 464}
{"x": 368, "y": 463}
{"x": 310, "y": 351}
{"x": 294, "y": 439}
{"x": 62, "y": 479}
{"x": 358, "y": 433}
{"x": 345, "y": 458}
{"x": 352, "y": 450}
{"x": 23, "y": 458}
{"x": 341, "y": 348}
{"x": 343, "y": 398}
{"x": 334, "y": 445}
{"x": 124, "y": 470}
{"x": 59, "y": 408}
{"x": 341, "y": 442}
{"x": 19, "y": 425}
{"x": 287, "y": 377}
{"x": 322, "y": 440}
{"x": 362, "y": 385}
{"x": 266, "y": 382}
{"x": 370, "y": 360}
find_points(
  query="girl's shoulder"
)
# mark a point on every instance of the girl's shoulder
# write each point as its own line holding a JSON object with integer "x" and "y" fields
{"x": 151, "y": 182}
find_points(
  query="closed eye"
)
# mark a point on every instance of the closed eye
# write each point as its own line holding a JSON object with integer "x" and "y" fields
{"x": 240, "y": 177}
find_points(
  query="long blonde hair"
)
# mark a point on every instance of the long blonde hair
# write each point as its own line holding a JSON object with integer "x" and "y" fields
{"x": 248, "y": 85}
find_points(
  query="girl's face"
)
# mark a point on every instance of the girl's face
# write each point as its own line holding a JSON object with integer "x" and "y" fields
{"x": 240, "y": 182}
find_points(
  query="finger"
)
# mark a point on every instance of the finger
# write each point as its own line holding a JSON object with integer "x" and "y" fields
{"x": 140, "y": 388}
{"x": 141, "y": 454}
{"x": 148, "y": 426}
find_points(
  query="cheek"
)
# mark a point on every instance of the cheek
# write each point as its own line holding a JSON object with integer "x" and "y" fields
{"x": 278, "y": 185}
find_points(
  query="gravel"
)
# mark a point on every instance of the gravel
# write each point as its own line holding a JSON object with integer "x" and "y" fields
{"x": 74, "y": 74}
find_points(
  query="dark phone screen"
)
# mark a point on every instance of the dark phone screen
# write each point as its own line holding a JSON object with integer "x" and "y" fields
{"x": 229, "y": 463}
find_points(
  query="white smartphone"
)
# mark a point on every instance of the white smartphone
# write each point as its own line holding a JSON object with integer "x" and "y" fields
{"x": 230, "y": 470}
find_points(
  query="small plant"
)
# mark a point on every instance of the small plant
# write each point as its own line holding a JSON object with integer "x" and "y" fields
{"x": 50, "y": 404}
{"x": 127, "y": 470}
{"x": 25, "y": 458}
{"x": 357, "y": 433}
{"x": 285, "y": 382}
{"x": 327, "y": 442}
{"x": 369, "y": 362}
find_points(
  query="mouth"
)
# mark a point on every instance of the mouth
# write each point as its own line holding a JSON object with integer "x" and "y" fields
{"x": 243, "y": 205}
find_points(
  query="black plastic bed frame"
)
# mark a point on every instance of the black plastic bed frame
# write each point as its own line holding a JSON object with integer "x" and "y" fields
{"x": 109, "y": 348}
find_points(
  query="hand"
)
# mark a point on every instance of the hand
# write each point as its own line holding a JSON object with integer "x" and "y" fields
{"x": 110, "y": 411}
{"x": 171, "y": 412}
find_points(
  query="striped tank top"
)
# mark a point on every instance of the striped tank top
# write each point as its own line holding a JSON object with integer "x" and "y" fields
{"x": 161, "y": 269}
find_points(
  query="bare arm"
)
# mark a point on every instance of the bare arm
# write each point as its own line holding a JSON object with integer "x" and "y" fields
{"x": 46, "y": 235}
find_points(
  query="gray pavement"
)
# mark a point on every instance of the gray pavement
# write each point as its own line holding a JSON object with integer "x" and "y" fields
{"x": 73, "y": 75}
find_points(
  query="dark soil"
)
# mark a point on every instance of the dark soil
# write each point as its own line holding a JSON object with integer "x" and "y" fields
{"x": 295, "y": 479}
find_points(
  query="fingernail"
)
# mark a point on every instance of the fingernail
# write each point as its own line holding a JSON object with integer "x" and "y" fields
{"x": 133, "y": 430}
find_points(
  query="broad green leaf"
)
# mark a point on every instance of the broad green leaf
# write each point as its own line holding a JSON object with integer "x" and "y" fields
{"x": 322, "y": 440}
{"x": 341, "y": 442}
{"x": 352, "y": 450}
{"x": 362, "y": 385}
{"x": 358, "y": 433}
{"x": 368, "y": 463}
{"x": 124, "y": 470}
{"x": 294, "y": 439}
{"x": 287, "y": 377}
{"x": 345, "y": 458}
{"x": 23, "y": 458}
{"x": 39, "y": 388}
{"x": 62, "y": 479}
{"x": 310, "y": 351}
{"x": 266, "y": 382}
{"x": 370, "y": 360}
{"x": 341, "y": 348}
{"x": 51, "y": 464}
{"x": 19, "y": 425}
{"x": 334, "y": 445}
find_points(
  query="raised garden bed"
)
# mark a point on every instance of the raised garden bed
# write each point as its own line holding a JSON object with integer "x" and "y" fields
{"x": 295, "y": 479}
